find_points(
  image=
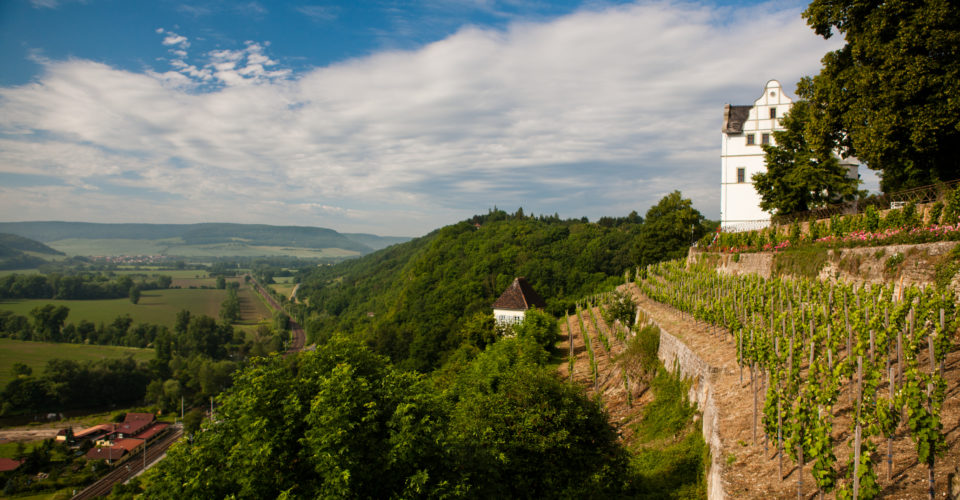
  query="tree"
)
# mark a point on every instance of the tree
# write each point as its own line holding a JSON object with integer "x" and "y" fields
{"x": 21, "y": 370}
{"x": 539, "y": 326}
{"x": 797, "y": 177}
{"x": 135, "y": 294}
{"x": 671, "y": 226}
{"x": 48, "y": 321}
{"x": 888, "y": 96}
{"x": 164, "y": 281}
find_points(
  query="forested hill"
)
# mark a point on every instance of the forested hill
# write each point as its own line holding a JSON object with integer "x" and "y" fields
{"x": 17, "y": 252}
{"x": 414, "y": 301}
{"x": 205, "y": 233}
{"x": 12, "y": 243}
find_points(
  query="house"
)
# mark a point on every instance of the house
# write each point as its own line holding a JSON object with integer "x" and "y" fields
{"x": 515, "y": 301}
{"x": 9, "y": 464}
{"x": 745, "y": 130}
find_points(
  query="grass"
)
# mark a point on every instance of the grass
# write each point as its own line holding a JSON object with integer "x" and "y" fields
{"x": 669, "y": 453}
{"x": 155, "y": 306}
{"x": 36, "y": 354}
{"x": 9, "y": 450}
{"x": 284, "y": 289}
{"x": 89, "y": 246}
{"x": 806, "y": 261}
{"x": 153, "y": 272}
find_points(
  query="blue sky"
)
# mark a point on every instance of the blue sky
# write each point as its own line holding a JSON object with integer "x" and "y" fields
{"x": 375, "y": 116}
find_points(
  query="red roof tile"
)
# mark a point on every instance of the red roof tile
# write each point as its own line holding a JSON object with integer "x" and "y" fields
{"x": 138, "y": 416}
{"x": 105, "y": 453}
{"x": 9, "y": 464}
{"x": 519, "y": 296}
{"x": 128, "y": 444}
{"x": 153, "y": 430}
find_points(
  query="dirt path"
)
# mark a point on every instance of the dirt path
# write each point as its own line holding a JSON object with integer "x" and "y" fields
{"x": 610, "y": 378}
{"x": 751, "y": 471}
{"x": 27, "y": 434}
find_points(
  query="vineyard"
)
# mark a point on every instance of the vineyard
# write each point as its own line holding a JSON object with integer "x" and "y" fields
{"x": 849, "y": 385}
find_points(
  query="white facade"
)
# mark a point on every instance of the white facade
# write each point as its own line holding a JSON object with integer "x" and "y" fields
{"x": 508, "y": 316}
{"x": 745, "y": 129}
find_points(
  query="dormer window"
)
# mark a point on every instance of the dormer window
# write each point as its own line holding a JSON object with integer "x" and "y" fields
{"x": 773, "y": 113}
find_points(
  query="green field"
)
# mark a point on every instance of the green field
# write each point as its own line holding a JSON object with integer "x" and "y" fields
{"x": 153, "y": 272}
{"x": 178, "y": 248}
{"x": 90, "y": 247}
{"x": 36, "y": 354}
{"x": 156, "y": 306}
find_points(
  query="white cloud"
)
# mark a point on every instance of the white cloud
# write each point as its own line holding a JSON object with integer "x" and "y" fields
{"x": 596, "y": 113}
{"x": 175, "y": 39}
{"x": 319, "y": 13}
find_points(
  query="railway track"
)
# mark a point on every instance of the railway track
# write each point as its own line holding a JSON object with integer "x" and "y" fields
{"x": 299, "y": 337}
{"x": 130, "y": 468}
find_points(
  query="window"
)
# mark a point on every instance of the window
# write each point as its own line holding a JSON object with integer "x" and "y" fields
{"x": 773, "y": 113}
{"x": 751, "y": 139}
{"x": 741, "y": 175}
{"x": 765, "y": 139}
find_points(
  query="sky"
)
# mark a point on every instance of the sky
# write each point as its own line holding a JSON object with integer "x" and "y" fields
{"x": 384, "y": 117}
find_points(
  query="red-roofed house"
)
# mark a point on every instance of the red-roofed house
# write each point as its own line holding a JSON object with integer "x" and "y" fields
{"x": 515, "y": 301}
{"x": 9, "y": 464}
{"x": 94, "y": 433}
{"x": 152, "y": 431}
{"x": 105, "y": 453}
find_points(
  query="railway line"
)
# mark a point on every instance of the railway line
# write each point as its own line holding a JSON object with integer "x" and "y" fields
{"x": 131, "y": 467}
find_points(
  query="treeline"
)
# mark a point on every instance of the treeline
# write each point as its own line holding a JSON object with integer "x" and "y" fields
{"x": 343, "y": 422}
{"x": 67, "y": 384}
{"x": 194, "y": 361}
{"x": 48, "y": 324}
{"x": 411, "y": 300}
{"x": 74, "y": 287}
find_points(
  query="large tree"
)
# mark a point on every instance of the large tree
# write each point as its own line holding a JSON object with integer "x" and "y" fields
{"x": 889, "y": 95}
{"x": 799, "y": 178}
{"x": 671, "y": 226}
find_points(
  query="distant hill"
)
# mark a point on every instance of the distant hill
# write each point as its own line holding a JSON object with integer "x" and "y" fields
{"x": 17, "y": 252}
{"x": 376, "y": 242}
{"x": 207, "y": 239}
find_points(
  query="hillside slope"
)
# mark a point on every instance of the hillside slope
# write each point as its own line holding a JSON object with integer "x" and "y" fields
{"x": 256, "y": 235}
{"x": 17, "y": 252}
{"x": 413, "y": 301}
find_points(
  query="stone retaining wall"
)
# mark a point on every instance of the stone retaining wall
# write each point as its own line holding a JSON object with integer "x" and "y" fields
{"x": 676, "y": 355}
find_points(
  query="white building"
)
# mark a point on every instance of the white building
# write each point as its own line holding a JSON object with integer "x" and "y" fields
{"x": 513, "y": 304}
{"x": 745, "y": 129}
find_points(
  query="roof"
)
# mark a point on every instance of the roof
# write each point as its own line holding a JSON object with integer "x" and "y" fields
{"x": 102, "y": 428}
{"x": 105, "y": 453}
{"x": 519, "y": 296}
{"x": 734, "y": 117}
{"x": 127, "y": 444}
{"x": 139, "y": 416}
{"x": 153, "y": 430}
{"x": 9, "y": 464}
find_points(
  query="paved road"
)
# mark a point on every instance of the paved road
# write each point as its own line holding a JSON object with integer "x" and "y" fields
{"x": 131, "y": 467}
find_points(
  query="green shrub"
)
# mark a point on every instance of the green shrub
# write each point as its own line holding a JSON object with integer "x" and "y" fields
{"x": 951, "y": 212}
{"x": 935, "y": 212}
{"x": 871, "y": 218}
